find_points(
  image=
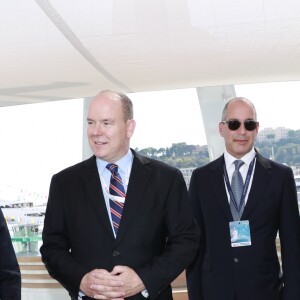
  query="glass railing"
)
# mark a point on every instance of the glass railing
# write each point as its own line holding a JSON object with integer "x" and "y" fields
{"x": 26, "y": 239}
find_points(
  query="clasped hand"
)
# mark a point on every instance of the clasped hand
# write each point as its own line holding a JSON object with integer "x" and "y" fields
{"x": 120, "y": 283}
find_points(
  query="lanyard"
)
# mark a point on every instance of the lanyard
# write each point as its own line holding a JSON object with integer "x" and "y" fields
{"x": 245, "y": 187}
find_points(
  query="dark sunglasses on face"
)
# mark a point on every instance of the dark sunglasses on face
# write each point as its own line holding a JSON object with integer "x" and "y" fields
{"x": 250, "y": 125}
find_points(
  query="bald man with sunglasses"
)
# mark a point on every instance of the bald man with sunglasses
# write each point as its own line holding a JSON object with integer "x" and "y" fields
{"x": 242, "y": 201}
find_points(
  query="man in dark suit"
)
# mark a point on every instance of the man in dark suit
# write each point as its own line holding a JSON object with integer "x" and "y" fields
{"x": 91, "y": 247}
{"x": 237, "y": 258}
{"x": 10, "y": 277}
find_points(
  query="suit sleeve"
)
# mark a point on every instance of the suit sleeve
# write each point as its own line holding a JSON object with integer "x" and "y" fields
{"x": 10, "y": 277}
{"x": 182, "y": 240}
{"x": 289, "y": 231}
{"x": 56, "y": 246}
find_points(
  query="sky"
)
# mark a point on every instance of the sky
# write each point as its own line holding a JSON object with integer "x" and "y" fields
{"x": 37, "y": 141}
{"x": 168, "y": 117}
{"x": 277, "y": 104}
{"x": 41, "y": 139}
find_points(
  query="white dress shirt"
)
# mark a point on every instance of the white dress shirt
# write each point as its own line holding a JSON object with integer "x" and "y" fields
{"x": 230, "y": 167}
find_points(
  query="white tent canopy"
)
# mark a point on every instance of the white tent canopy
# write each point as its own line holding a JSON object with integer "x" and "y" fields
{"x": 65, "y": 49}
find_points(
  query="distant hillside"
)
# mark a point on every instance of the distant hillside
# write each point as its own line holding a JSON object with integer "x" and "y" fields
{"x": 181, "y": 155}
{"x": 284, "y": 151}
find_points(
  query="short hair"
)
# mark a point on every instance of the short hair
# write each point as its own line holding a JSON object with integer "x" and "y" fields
{"x": 242, "y": 99}
{"x": 127, "y": 106}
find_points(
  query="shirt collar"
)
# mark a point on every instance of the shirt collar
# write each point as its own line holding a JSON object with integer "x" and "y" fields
{"x": 124, "y": 163}
{"x": 247, "y": 158}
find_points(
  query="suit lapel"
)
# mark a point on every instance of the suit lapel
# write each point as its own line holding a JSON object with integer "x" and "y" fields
{"x": 261, "y": 178}
{"x": 94, "y": 193}
{"x": 139, "y": 180}
{"x": 216, "y": 179}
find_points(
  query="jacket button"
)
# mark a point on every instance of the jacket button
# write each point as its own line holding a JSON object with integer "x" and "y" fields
{"x": 236, "y": 260}
{"x": 116, "y": 253}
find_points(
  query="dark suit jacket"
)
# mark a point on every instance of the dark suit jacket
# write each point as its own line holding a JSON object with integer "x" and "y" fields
{"x": 10, "y": 277}
{"x": 252, "y": 272}
{"x": 157, "y": 236}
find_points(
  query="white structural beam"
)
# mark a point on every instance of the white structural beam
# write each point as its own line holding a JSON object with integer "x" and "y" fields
{"x": 212, "y": 100}
{"x": 86, "y": 149}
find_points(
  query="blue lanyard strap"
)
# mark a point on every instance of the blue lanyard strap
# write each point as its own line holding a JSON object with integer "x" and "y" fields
{"x": 245, "y": 187}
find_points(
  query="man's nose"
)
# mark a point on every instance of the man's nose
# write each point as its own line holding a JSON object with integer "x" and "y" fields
{"x": 242, "y": 129}
{"x": 97, "y": 129}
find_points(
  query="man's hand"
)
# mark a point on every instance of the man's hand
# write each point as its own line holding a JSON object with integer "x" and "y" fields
{"x": 100, "y": 284}
{"x": 132, "y": 283}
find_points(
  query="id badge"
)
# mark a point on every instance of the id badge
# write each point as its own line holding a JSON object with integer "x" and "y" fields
{"x": 240, "y": 233}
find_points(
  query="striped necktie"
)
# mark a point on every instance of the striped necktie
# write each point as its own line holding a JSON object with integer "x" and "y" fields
{"x": 116, "y": 188}
{"x": 237, "y": 185}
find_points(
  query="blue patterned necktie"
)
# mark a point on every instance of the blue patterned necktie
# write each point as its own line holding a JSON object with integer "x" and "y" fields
{"x": 116, "y": 188}
{"x": 237, "y": 185}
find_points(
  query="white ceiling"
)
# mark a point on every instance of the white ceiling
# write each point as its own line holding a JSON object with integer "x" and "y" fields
{"x": 65, "y": 49}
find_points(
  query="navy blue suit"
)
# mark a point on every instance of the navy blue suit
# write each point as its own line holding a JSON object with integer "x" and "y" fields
{"x": 10, "y": 277}
{"x": 252, "y": 272}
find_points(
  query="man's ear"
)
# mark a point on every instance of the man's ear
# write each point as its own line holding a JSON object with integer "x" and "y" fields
{"x": 221, "y": 128}
{"x": 130, "y": 128}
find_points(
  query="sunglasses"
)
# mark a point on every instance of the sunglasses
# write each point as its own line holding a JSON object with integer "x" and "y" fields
{"x": 250, "y": 125}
